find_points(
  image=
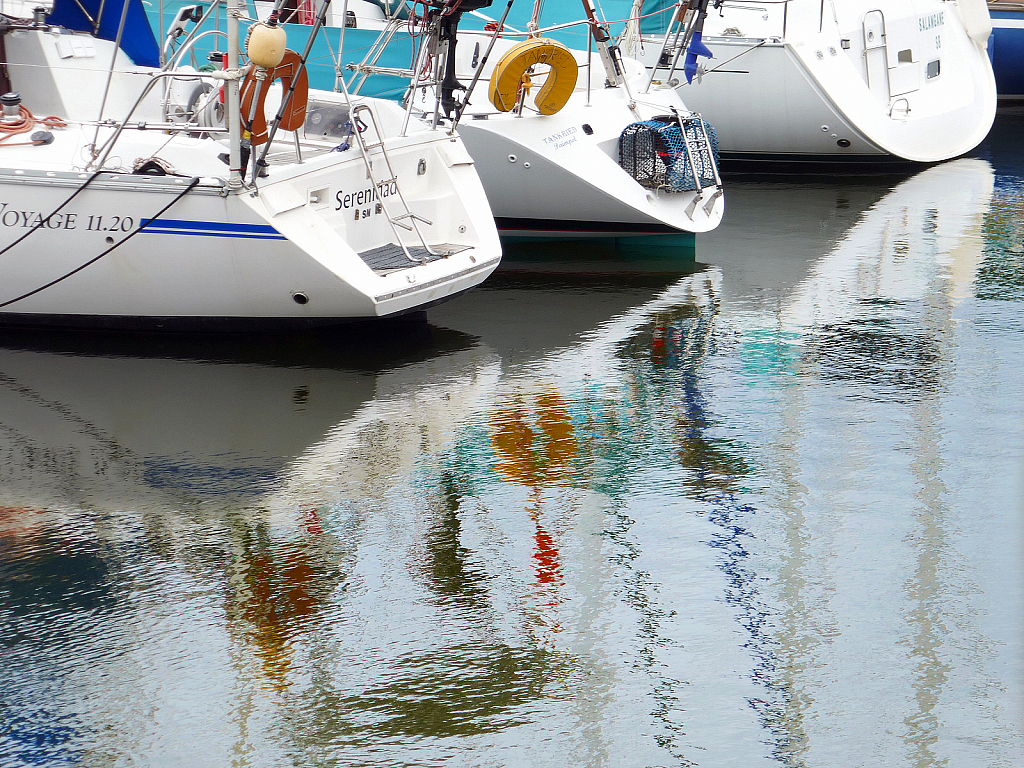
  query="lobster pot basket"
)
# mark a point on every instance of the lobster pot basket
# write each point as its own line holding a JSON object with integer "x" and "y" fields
{"x": 654, "y": 153}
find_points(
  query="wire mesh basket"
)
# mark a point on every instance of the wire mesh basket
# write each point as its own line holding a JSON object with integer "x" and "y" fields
{"x": 654, "y": 153}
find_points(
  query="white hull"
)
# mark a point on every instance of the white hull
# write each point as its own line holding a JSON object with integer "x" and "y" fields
{"x": 213, "y": 259}
{"x": 573, "y": 186}
{"x": 547, "y": 177}
{"x": 312, "y": 244}
{"x": 866, "y": 81}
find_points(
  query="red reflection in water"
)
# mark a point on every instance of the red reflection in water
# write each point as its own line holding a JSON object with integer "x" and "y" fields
{"x": 21, "y": 522}
{"x": 545, "y": 557}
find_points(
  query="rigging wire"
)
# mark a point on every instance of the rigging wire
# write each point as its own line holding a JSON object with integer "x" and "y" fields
{"x": 51, "y": 214}
{"x": 146, "y": 223}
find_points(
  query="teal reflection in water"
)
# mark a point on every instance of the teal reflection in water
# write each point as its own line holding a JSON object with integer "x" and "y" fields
{"x": 1000, "y": 273}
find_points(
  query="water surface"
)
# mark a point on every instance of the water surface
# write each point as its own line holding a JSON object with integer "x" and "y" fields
{"x": 607, "y": 510}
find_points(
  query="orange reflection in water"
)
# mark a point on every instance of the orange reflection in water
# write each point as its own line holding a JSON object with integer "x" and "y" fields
{"x": 277, "y": 591}
{"x": 20, "y": 522}
{"x": 537, "y": 447}
{"x": 539, "y": 454}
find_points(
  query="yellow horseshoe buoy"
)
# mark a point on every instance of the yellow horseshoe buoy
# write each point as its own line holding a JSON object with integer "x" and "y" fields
{"x": 512, "y": 68}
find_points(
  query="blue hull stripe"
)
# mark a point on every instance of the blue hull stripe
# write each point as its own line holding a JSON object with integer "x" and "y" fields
{"x": 211, "y": 234}
{"x": 211, "y": 229}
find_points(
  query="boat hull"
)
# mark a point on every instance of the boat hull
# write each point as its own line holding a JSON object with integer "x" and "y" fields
{"x": 575, "y": 191}
{"x": 794, "y": 116}
{"x": 857, "y": 81}
{"x": 152, "y": 253}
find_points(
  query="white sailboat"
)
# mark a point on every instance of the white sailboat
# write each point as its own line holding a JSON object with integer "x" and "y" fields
{"x": 553, "y": 131}
{"x": 583, "y": 171}
{"x": 119, "y": 212}
{"x": 841, "y": 81}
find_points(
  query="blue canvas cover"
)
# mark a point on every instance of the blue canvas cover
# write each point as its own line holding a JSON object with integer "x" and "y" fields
{"x": 137, "y": 41}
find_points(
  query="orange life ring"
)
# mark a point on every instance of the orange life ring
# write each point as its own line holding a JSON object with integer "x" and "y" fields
{"x": 289, "y": 70}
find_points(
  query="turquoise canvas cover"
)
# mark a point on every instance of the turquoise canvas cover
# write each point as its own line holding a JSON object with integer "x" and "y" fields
{"x": 656, "y": 15}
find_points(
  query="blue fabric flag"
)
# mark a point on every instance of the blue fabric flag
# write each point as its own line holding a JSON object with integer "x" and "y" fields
{"x": 695, "y": 49}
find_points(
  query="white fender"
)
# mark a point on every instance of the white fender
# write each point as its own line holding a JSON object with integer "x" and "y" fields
{"x": 265, "y": 45}
{"x": 976, "y": 20}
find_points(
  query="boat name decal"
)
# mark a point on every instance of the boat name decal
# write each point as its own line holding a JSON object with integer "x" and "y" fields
{"x": 12, "y": 217}
{"x": 365, "y": 196}
{"x": 562, "y": 138}
{"x": 930, "y": 21}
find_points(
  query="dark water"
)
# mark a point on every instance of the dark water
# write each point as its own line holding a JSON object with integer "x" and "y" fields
{"x": 604, "y": 511}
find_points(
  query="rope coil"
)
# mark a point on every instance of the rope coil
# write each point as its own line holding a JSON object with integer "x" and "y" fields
{"x": 26, "y": 123}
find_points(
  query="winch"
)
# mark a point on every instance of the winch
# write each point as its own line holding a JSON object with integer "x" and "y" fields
{"x": 11, "y": 108}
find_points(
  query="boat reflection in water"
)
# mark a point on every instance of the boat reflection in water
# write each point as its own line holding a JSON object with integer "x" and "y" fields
{"x": 147, "y": 530}
{"x": 640, "y": 517}
{"x": 790, "y": 432}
